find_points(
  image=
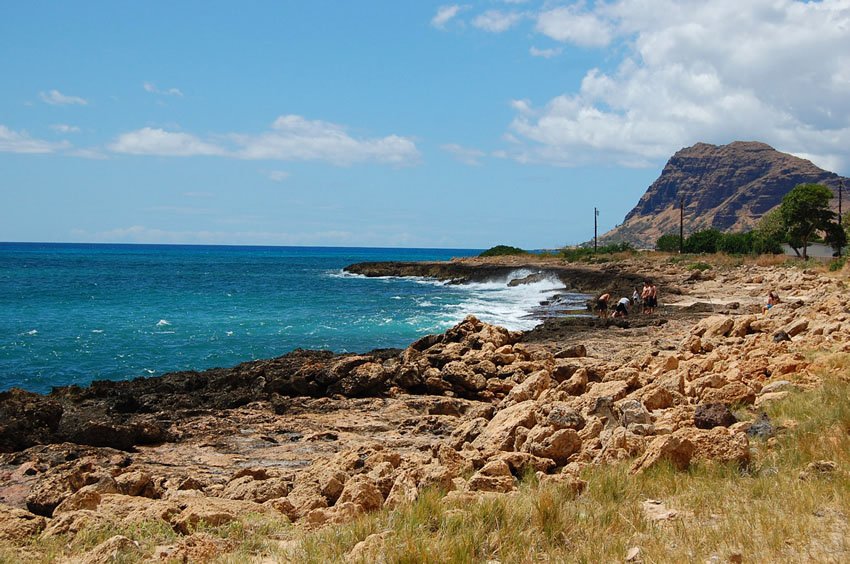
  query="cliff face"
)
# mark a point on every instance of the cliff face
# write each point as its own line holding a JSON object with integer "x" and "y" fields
{"x": 728, "y": 187}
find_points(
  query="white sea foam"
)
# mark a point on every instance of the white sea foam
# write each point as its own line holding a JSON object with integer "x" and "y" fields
{"x": 33, "y": 332}
{"x": 97, "y": 330}
{"x": 163, "y": 323}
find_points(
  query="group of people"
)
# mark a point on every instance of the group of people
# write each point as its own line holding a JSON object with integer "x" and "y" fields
{"x": 647, "y": 297}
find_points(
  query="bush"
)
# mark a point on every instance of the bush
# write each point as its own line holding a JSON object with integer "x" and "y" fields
{"x": 736, "y": 243}
{"x": 502, "y": 250}
{"x": 586, "y": 253}
{"x": 703, "y": 241}
{"x": 667, "y": 243}
{"x": 699, "y": 266}
{"x": 837, "y": 264}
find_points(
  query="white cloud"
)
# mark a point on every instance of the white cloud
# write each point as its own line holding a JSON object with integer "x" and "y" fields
{"x": 151, "y": 87}
{"x": 464, "y": 154}
{"x": 154, "y": 141}
{"x": 20, "y": 142}
{"x": 294, "y": 138}
{"x": 444, "y": 15}
{"x": 769, "y": 70}
{"x": 278, "y": 175}
{"x": 496, "y": 21}
{"x": 573, "y": 24}
{"x": 56, "y": 98}
{"x": 64, "y": 128}
{"x": 291, "y": 138}
{"x": 545, "y": 53}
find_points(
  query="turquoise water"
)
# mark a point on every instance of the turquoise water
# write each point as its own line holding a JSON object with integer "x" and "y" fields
{"x": 73, "y": 313}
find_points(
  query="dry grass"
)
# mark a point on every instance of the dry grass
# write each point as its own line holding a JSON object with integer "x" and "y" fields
{"x": 765, "y": 513}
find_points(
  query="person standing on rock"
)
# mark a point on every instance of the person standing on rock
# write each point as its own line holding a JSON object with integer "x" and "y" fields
{"x": 653, "y": 297}
{"x": 644, "y": 296}
{"x": 602, "y": 305}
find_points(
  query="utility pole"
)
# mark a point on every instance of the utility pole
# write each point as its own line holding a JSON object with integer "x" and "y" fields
{"x": 681, "y": 224}
{"x": 840, "y": 190}
{"x": 595, "y": 215}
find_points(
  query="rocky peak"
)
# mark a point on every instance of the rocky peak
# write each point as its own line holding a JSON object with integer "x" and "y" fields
{"x": 728, "y": 187}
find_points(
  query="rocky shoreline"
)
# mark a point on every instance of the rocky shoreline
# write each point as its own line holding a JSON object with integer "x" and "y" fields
{"x": 317, "y": 438}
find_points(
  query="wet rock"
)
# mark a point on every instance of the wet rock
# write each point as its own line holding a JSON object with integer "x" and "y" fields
{"x": 710, "y": 415}
{"x": 27, "y": 419}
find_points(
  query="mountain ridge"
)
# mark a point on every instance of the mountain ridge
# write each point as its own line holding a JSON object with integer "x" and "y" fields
{"x": 726, "y": 187}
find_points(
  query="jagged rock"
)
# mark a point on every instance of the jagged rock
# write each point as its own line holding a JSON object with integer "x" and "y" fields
{"x": 530, "y": 388}
{"x": 114, "y": 549}
{"x": 633, "y": 412}
{"x": 522, "y": 462}
{"x": 213, "y": 512}
{"x": 460, "y": 374}
{"x": 362, "y": 491}
{"x": 500, "y": 431}
{"x": 19, "y": 526}
{"x": 669, "y": 447}
{"x": 734, "y": 392}
{"x": 256, "y": 490}
{"x": 495, "y": 476}
{"x": 546, "y": 442}
{"x": 710, "y": 415}
{"x": 717, "y": 444}
{"x": 563, "y": 416}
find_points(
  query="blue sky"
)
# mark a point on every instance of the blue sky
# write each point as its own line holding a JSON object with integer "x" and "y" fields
{"x": 386, "y": 123}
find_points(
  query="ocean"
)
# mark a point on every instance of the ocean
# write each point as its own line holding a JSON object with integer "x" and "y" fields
{"x": 74, "y": 313}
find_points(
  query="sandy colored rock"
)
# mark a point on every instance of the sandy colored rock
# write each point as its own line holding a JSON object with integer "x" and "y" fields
{"x": 669, "y": 447}
{"x": 114, "y": 549}
{"x": 557, "y": 444}
{"x": 500, "y": 431}
{"x": 362, "y": 491}
{"x": 18, "y": 526}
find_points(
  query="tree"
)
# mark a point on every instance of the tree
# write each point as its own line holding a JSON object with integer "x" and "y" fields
{"x": 736, "y": 243}
{"x": 703, "y": 241}
{"x": 769, "y": 234}
{"x": 667, "y": 243}
{"x": 805, "y": 211}
{"x": 836, "y": 237}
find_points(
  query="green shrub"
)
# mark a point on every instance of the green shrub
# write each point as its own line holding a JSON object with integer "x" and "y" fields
{"x": 502, "y": 250}
{"x": 699, "y": 266}
{"x": 703, "y": 241}
{"x": 587, "y": 253}
{"x": 837, "y": 264}
{"x": 667, "y": 243}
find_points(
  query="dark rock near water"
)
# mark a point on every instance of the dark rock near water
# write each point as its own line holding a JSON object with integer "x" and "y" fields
{"x": 780, "y": 336}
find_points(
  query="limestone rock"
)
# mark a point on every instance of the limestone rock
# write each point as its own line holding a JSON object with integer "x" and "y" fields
{"x": 19, "y": 526}
{"x": 362, "y": 491}
{"x": 495, "y": 476}
{"x": 669, "y": 447}
{"x": 547, "y": 442}
{"x": 114, "y": 549}
{"x": 500, "y": 431}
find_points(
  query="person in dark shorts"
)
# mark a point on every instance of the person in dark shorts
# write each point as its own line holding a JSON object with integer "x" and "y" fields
{"x": 622, "y": 309}
{"x": 602, "y": 305}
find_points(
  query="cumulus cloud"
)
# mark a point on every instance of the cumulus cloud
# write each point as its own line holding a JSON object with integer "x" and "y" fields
{"x": 575, "y": 25}
{"x": 56, "y": 98}
{"x": 496, "y": 21}
{"x": 155, "y": 141}
{"x": 290, "y": 138}
{"x": 151, "y": 87}
{"x": 464, "y": 154}
{"x": 770, "y": 70}
{"x": 444, "y": 15}
{"x": 20, "y": 142}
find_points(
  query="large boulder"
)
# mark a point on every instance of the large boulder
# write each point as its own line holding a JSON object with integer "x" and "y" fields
{"x": 674, "y": 448}
{"x": 18, "y": 526}
{"x": 500, "y": 432}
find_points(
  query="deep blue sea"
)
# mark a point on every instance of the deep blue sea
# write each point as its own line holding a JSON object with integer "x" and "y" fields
{"x": 73, "y": 313}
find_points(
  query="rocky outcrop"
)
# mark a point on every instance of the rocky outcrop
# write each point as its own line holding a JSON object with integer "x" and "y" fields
{"x": 727, "y": 187}
{"x": 471, "y": 412}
